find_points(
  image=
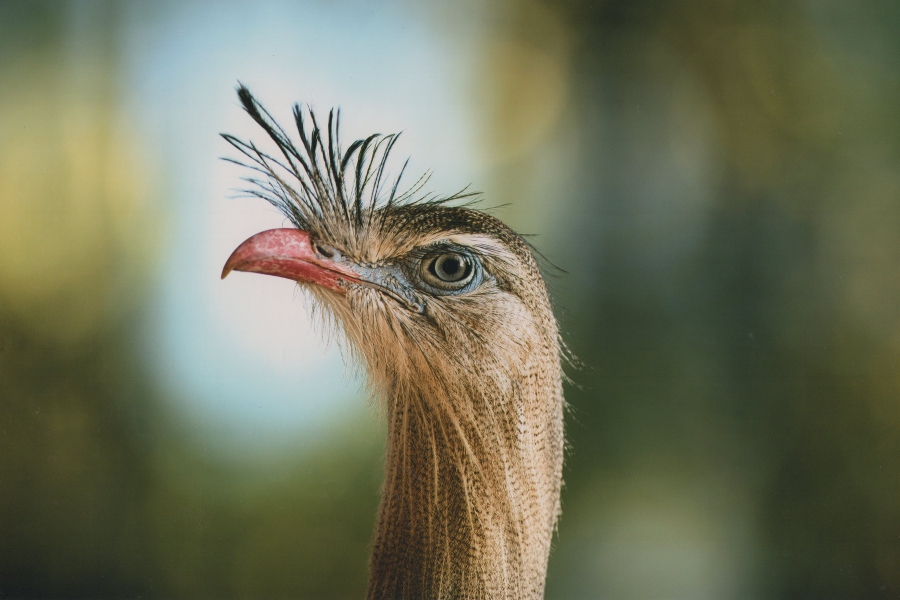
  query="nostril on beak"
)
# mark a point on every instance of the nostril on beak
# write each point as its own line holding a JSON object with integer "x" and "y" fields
{"x": 325, "y": 251}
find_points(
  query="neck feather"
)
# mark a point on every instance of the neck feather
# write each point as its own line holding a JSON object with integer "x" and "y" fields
{"x": 472, "y": 482}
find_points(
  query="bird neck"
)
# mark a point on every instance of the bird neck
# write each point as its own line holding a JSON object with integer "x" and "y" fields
{"x": 472, "y": 482}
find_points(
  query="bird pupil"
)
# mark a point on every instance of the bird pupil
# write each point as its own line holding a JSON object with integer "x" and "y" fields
{"x": 451, "y": 266}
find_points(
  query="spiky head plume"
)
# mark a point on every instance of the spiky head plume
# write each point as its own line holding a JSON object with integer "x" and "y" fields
{"x": 345, "y": 197}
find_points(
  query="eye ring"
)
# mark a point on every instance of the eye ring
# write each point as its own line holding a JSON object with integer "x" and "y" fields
{"x": 450, "y": 271}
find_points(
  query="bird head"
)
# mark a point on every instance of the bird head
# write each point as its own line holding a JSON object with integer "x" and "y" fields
{"x": 428, "y": 294}
{"x": 448, "y": 311}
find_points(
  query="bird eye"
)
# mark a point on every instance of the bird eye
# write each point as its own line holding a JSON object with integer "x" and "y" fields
{"x": 448, "y": 271}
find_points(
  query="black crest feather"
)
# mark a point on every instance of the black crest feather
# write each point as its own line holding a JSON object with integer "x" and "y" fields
{"x": 341, "y": 196}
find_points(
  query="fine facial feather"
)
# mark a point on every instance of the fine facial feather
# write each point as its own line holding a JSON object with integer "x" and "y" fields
{"x": 470, "y": 379}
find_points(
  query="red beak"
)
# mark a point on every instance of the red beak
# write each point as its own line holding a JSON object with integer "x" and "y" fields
{"x": 288, "y": 253}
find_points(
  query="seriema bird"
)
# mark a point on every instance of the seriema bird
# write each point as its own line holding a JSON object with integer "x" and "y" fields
{"x": 446, "y": 308}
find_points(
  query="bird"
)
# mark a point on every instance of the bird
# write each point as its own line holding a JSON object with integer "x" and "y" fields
{"x": 446, "y": 309}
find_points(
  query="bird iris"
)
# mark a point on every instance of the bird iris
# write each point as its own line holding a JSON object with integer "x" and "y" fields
{"x": 450, "y": 271}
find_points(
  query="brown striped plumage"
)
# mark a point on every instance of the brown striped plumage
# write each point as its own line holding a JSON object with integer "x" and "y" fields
{"x": 471, "y": 380}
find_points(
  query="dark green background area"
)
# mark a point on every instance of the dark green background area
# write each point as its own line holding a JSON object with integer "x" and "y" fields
{"x": 735, "y": 420}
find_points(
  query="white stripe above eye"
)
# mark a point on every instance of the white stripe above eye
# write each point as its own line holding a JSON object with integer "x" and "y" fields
{"x": 480, "y": 243}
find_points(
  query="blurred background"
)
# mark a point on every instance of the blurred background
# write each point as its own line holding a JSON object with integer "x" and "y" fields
{"x": 719, "y": 180}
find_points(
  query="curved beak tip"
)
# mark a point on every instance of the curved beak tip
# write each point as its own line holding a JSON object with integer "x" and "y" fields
{"x": 232, "y": 263}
